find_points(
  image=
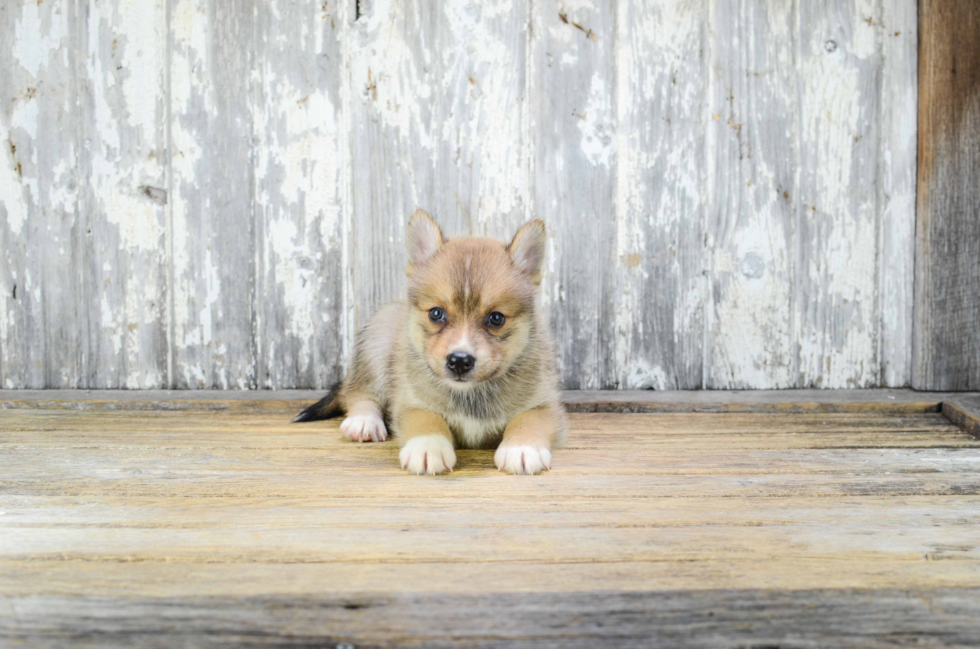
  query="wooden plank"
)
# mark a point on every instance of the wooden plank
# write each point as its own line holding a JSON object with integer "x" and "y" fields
{"x": 288, "y": 401}
{"x": 837, "y": 315}
{"x": 573, "y": 76}
{"x": 897, "y": 106}
{"x": 122, "y": 263}
{"x": 64, "y": 512}
{"x": 752, "y": 213}
{"x": 137, "y": 518}
{"x": 43, "y": 333}
{"x": 212, "y": 242}
{"x": 754, "y": 401}
{"x": 221, "y": 575}
{"x": 659, "y": 300}
{"x": 947, "y": 242}
{"x": 737, "y": 617}
{"x": 964, "y": 411}
{"x": 299, "y": 170}
{"x": 458, "y": 542}
{"x": 222, "y": 455}
{"x": 438, "y": 119}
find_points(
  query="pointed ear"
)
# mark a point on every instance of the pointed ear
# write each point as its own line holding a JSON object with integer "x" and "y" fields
{"x": 527, "y": 249}
{"x": 424, "y": 238}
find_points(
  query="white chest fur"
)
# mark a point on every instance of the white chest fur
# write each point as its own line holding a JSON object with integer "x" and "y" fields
{"x": 474, "y": 433}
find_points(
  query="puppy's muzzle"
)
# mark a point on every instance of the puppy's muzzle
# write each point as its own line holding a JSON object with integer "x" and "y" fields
{"x": 460, "y": 364}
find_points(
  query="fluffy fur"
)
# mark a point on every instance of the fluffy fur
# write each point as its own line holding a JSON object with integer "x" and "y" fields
{"x": 400, "y": 381}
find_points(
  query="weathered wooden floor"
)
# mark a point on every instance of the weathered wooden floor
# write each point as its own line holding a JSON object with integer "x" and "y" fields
{"x": 221, "y": 523}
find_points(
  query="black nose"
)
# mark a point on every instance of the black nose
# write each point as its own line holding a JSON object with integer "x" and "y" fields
{"x": 460, "y": 363}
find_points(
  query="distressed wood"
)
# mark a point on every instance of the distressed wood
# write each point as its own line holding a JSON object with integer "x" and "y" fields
{"x": 299, "y": 163}
{"x": 123, "y": 163}
{"x": 202, "y": 194}
{"x": 212, "y": 242}
{"x": 43, "y": 314}
{"x": 947, "y": 269}
{"x": 936, "y": 618}
{"x": 572, "y": 68}
{"x": 754, "y": 106}
{"x": 656, "y": 338}
{"x": 287, "y": 402}
{"x": 838, "y": 220}
{"x": 438, "y": 119}
{"x": 897, "y": 124}
{"x": 218, "y": 526}
{"x": 964, "y": 411}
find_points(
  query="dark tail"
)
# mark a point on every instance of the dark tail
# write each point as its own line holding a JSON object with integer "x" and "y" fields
{"x": 325, "y": 408}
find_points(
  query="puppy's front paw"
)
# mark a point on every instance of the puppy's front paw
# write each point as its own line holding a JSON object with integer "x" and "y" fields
{"x": 428, "y": 454}
{"x": 521, "y": 459}
{"x": 364, "y": 428}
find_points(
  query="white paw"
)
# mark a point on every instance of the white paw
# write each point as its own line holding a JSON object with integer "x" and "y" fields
{"x": 428, "y": 454}
{"x": 364, "y": 428}
{"x": 522, "y": 460}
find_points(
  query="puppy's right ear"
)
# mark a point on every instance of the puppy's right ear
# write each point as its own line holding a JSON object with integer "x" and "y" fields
{"x": 423, "y": 240}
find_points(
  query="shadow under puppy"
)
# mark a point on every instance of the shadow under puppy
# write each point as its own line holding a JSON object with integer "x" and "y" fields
{"x": 465, "y": 362}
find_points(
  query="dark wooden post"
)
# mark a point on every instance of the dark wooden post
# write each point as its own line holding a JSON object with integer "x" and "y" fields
{"x": 946, "y": 350}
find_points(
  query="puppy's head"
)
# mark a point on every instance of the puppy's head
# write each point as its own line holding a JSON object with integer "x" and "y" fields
{"x": 471, "y": 301}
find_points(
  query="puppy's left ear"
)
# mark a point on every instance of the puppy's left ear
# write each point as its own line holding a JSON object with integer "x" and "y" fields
{"x": 527, "y": 249}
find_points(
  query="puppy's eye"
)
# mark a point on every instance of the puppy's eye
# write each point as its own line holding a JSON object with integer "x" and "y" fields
{"x": 437, "y": 315}
{"x": 496, "y": 320}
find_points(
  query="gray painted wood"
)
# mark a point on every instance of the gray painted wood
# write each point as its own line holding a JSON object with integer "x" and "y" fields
{"x": 121, "y": 109}
{"x": 213, "y": 236}
{"x": 940, "y": 617}
{"x": 838, "y": 219}
{"x": 947, "y": 271}
{"x": 574, "y": 123}
{"x": 753, "y": 127}
{"x": 659, "y": 260}
{"x": 898, "y": 109}
{"x": 213, "y": 194}
{"x": 438, "y": 121}
{"x": 41, "y": 234}
{"x": 299, "y": 161}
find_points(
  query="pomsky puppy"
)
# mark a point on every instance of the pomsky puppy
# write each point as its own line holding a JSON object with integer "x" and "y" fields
{"x": 465, "y": 362}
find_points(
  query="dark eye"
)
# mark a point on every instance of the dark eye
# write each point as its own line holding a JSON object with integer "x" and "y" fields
{"x": 436, "y": 314}
{"x": 496, "y": 320}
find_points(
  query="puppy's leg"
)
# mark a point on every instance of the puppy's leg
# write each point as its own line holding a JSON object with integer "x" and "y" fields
{"x": 364, "y": 422}
{"x": 427, "y": 443}
{"x": 526, "y": 447}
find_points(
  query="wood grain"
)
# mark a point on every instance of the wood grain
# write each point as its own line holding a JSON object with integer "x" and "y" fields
{"x": 439, "y": 122}
{"x": 299, "y": 169}
{"x": 573, "y": 169}
{"x": 964, "y": 411}
{"x": 660, "y": 199}
{"x": 43, "y": 331}
{"x": 947, "y": 243}
{"x": 217, "y": 526}
{"x": 121, "y": 260}
{"x": 213, "y": 234}
{"x": 897, "y": 124}
{"x": 740, "y": 617}
{"x": 751, "y": 226}
{"x": 202, "y": 194}
{"x": 838, "y": 219}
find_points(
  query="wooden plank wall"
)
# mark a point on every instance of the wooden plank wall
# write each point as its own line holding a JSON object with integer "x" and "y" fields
{"x": 947, "y": 274}
{"x": 212, "y": 194}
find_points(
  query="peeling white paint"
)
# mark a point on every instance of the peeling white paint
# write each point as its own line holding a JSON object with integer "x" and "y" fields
{"x": 596, "y": 124}
{"x": 459, "y": 124}
{"x": 38, "y": 35}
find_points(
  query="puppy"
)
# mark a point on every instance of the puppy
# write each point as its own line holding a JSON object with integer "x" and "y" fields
{"x": 465, "y": 362}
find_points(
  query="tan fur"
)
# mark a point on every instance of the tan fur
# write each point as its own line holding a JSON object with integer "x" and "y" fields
{"x": 400, "y": 357}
